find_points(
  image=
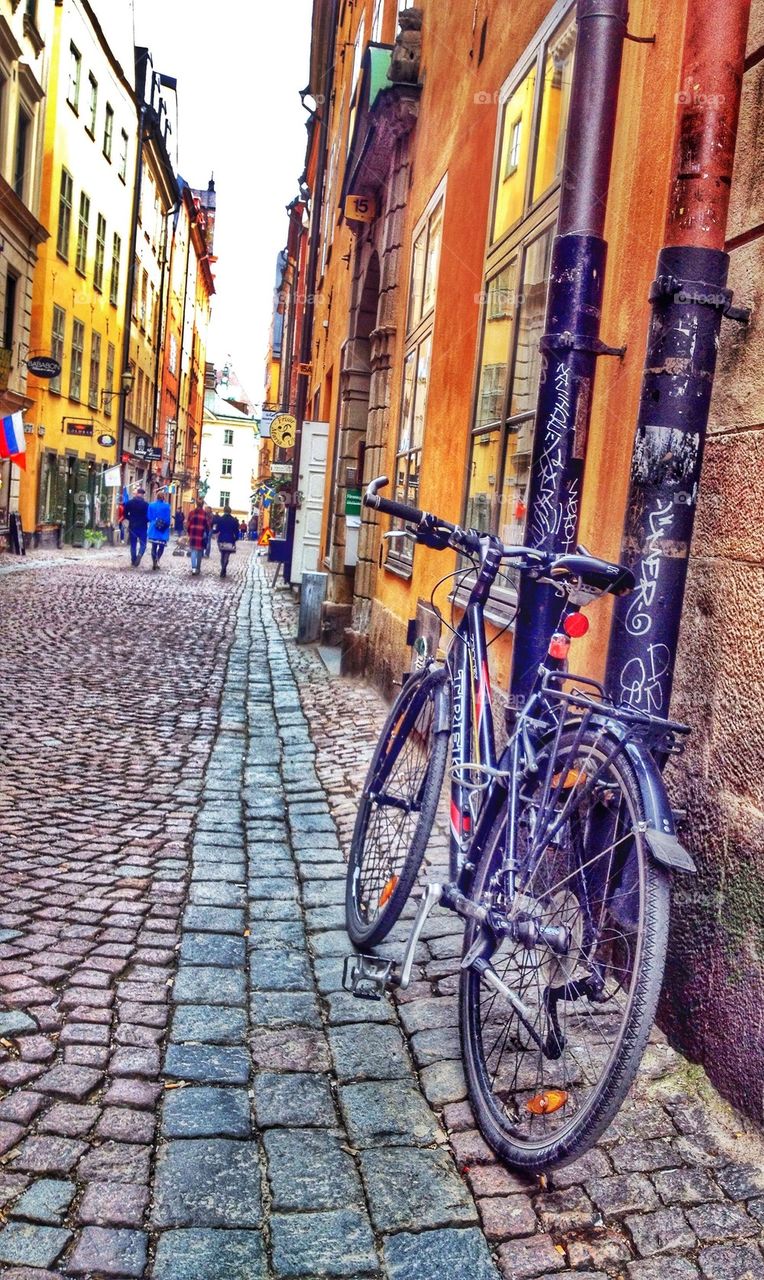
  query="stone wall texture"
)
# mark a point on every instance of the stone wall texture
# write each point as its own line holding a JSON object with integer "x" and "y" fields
{"x": 714, "y": 1001}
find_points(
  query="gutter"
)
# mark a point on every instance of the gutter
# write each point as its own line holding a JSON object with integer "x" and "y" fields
{"x": 689, "y": 297}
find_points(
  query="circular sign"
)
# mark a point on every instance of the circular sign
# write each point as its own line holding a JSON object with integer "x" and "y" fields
{"x": 284, "y": 430}
{"x": 107, "y": 441}
{"x": 44, "y": 366}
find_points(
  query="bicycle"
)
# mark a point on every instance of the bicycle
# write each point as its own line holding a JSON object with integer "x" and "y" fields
{"x": 560, "y": 853}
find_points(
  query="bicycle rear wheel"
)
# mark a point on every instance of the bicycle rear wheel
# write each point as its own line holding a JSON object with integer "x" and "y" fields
{"x": 578, "y": 951}
{"x": 397, "y": 810}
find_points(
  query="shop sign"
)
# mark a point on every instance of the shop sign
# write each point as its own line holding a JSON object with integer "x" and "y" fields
{"x": 352, "y": 502}
{"x": 281, "y": 468}
{"x": 107, "y": 441}
{"x": 146, "y": 452}
{"x": 44, "y": 366}
{"x": 79, "y": 428}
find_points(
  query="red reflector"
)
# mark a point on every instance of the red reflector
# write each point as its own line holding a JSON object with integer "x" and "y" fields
{"x": 558, "y": 646}
{"x": 575, "y": 625}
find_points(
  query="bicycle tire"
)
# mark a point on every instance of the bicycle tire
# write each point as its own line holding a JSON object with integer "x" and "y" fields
{"x": 500, "y": 1109}
{"x": 389, "y": 873}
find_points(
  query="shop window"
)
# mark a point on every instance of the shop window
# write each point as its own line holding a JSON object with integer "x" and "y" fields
{"x": 530, "y": 146}
{"x": 423, "y": 278}
{"x": 100, "y": 253}
{"x": 75, "y": 73}
{"x": 57, "y": 338}
{"x": 75, "y": 367}
{"x": 64, "y": 215}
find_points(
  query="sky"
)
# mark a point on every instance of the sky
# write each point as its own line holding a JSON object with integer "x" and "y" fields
{"x": 239, "y": 67}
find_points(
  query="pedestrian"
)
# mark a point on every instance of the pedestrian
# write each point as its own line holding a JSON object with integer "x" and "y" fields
{"x": 159, "y": 526}
{"x": 253, "y": 529}
{"x": 137, "y": 516}
{"x": 197, "y": 530}
{"x": 242, "y": 529}
{"x": 228, "y": 533}
{"x": 178, "y": 521}
{"x": 121, "y": 521}
{"x": 210, "y": 518}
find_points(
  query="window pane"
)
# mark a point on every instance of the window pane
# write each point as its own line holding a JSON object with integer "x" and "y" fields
{"x": 433, "y": 258}
{"x": 417, "y": 279}
{"x": 404, "y": 440}
{"x": 530, "y": 324}
{"x": 420, "y": 395}
{"x": 514, "y": 155}
{"x": 555, "y": 106}
{"x": 500, "y": 309}
{"x": 514, "y": 498}
{"x": 482, "y": 499}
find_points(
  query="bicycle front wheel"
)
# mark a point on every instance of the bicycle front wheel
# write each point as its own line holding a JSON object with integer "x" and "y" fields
{"x": 556, "y": 1013}
{"x": 397, "y": 810}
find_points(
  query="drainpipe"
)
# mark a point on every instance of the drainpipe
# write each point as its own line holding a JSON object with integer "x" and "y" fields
{"x": 689, "y": 297}
{"x": 571, "y": 343}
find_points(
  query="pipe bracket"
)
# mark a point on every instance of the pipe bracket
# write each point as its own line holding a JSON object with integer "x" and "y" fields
{"x": 698, "y": 293}
{"x": 579, "y": 342}
{"x": 640, "y": 39}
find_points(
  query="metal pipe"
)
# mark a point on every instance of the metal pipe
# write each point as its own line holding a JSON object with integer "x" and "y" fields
{"x": 689, "y": 297}
{"x": 571, "y": 343}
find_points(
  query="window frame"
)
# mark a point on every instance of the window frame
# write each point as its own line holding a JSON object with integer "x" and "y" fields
{"x": 75, "y": 78}
{"x": 419, "y": 331}
{"x": 124, "y": 143}
{"x": 226, "y": 466}
{"x": 20, "y": 173}
{"x": 225, "y": 497}
{"x": 65, "y": 207}
{"x": 108, "y": 132}
{"x": 83, "y": 235}
{"x": 94, "y": 369}
{"x": 116, "y": 263}
{"x": 111, "y": 361}
{"x": 227, "y": 431}
{"x": 513, "y": 244}
{"x": 90, "y": 127}
{"x": 57, "y": 346}
{"x": 99, "y": 262}
{"x": 76, "y": 360}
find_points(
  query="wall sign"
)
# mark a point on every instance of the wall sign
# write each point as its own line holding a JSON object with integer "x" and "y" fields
{"x": 360, "y": 208}
{"x": 284, "y": 430}
{"x": 107, "y": 441}
{"x": 79, "y": 428}
{"x": 44, "y": 366}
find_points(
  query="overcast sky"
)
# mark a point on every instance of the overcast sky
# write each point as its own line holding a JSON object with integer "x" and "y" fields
{"x": 239, "y": 67}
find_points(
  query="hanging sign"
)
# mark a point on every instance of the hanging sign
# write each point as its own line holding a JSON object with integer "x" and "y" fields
{"x": 360, "y": 208}
{"x": 106, "y": 440}
{"x": 112, "y": 477}
{"x": 44, "y": 366}
{"x": 284, "y": 430}
{"x": 79, "y": 428}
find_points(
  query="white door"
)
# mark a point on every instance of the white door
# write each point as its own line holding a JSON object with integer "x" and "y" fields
{"x": 312, "y": 481}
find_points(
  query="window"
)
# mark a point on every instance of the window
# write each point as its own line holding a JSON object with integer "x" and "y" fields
{"x": 75, "y": 369}
{"x": 533, "y": 125}
{"x": 93, "y": 108}
{"x": 82, "y": 234}
{"x": 225, "y": 498}
{"x": 100, "y": 253}
{"x": 360, "y": 43}
{"x": 95, "y": 370}
{"x": 423, "y": 280}
{"x": 530, "y": 144}
{"x": 58, "y": 334}
{"x": 228, "y": 435}
{"x": 108, "y": 131}
{"x": 123, "y": 140}
{"x": 144, "y": 298}
{"x": 64, "y": 215}
{"x": 226, "y": 467}
{"x": 75, "y": 71}
{"x": 109, "y": 383}
{"x": 116, "y": 250}
{"x": 376, "y": 22}
{"x": 9, "y": 310}
{"x": 20, "y": 160}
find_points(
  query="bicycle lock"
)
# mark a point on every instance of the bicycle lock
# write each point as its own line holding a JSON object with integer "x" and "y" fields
{"x": 689, "y": 297}
{"x": 571, "y": 343}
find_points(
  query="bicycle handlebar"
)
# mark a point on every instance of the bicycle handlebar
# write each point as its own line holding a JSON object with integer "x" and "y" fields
{"x": 391, "y": 508}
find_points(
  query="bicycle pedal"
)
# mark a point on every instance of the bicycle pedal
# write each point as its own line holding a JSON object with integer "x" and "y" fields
{"x": 367, "y": 976}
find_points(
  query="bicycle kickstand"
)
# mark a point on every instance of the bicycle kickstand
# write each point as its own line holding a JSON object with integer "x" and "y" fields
{"x": 368, "y": 976}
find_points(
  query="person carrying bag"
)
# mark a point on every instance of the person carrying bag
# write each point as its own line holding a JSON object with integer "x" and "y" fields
{"x": 228, "y": 536}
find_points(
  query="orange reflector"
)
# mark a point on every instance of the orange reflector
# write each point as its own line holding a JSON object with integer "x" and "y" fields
{"x": 388, "y": 891}
{"x": 576, "y": 625}
{"x": 558, "y": 646}
{"x": 572, "y": 779}
{"x": 543, "y": 1104}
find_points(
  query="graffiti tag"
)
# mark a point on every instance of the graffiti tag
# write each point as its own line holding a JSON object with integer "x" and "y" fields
{"x": 547, "y": 513}
{"x": 639, "y": 618}
{"x": 641, "y": 679}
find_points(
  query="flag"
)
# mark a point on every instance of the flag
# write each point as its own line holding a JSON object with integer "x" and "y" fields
{"x": 12, "y": 441}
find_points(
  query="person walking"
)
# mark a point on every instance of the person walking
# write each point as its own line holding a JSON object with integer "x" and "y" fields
{"x": 228, "y": 534}
{"x": 242, "y": 529}
{"x": 178, "y": 522}
{"x": 159, "y": 526}
{"x": 197, "y": 530}
{"x": 137, "y": 516}
{"x": 211, "y": 519}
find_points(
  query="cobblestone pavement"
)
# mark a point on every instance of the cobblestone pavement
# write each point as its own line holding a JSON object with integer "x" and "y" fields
{"x": 187, "y": 1092}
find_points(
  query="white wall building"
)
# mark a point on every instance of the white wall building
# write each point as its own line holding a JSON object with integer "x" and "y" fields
{"x": 229, "y": 455}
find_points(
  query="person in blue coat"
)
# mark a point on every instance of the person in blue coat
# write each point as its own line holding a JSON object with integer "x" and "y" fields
{"x": 160, "y": 517}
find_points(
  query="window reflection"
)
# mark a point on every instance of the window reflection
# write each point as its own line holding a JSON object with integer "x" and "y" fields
{"x": 555, "y": 106}
{"x": 515, "y": 155}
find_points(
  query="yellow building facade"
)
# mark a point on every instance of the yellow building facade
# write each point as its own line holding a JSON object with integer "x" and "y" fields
{"x": 78, "y": 302}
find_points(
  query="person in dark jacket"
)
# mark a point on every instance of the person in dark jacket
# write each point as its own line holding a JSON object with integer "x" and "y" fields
{"x": 178, "y": 521}
{"x": 137, "y": 516}
{"x": 197, "y": 529}
{"x": 228, "y": 534}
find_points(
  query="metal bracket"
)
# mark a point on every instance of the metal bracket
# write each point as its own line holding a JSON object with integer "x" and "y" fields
{"x": 579, "y": 342}
{"x": 698, "y": 293}
{"x": 639, "y": 39}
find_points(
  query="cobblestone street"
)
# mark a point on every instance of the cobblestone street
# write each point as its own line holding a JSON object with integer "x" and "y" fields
{"x": 188, "y": 1094}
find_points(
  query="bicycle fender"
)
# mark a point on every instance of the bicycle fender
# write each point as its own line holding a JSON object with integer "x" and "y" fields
{"x": 659, "y": 832}
{"x": 442, "y": 723}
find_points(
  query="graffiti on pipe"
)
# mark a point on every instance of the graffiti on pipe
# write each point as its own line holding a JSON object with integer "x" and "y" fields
{"x": 639, "y": 618}
{"x": 642, "y": 679}
{"x": 548, "y": 514}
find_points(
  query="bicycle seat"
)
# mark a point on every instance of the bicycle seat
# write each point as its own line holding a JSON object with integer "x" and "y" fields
{"x": 599, "y": 575}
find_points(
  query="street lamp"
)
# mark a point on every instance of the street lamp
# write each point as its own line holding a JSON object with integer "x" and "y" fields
{"x": 127, "y": 380}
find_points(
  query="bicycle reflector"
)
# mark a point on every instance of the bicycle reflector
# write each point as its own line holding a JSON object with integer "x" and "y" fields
{"x": 576, "y": 625}
{"x": 388, "y": 891}
{"x": 543, "y": 1104}
{"x": 558, "y": 646}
